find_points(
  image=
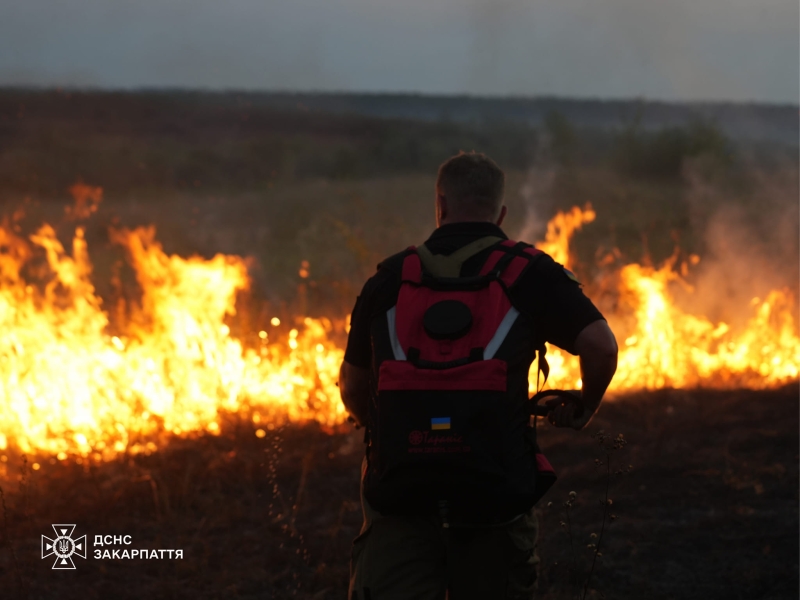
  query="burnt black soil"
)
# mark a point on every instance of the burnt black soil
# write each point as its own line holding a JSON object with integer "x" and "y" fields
{"x": 709, "y": 509}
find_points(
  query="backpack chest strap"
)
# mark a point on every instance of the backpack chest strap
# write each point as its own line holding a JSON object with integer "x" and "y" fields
{"x": 508, "y": 261}
{"x": 440, "y": 265}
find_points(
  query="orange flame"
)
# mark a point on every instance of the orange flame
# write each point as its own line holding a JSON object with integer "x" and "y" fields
{"x": 70, "y": 387}
{"x": 559, "y": 231}
{"x": 667, "y": 347}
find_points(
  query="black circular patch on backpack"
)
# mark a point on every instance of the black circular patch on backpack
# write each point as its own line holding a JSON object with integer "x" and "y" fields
{"x": 447, "y": 320}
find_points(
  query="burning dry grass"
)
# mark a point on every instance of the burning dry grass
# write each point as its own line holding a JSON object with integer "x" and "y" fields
{"x": 664, "y": 345}
{"x": 73, "y": 388}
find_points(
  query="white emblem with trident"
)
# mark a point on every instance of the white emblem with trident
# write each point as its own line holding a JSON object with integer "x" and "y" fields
{"x": 63, "y": 546}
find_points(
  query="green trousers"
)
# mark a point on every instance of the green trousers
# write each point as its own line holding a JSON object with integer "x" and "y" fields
{"x": 415, "y": 558}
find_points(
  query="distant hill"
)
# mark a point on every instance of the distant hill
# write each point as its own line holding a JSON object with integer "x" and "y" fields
{"x": 741, "y": 122}
{"x": 182, "y": 139}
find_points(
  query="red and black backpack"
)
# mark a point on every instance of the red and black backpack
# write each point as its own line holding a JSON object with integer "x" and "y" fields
{"x": 450, "y": 417}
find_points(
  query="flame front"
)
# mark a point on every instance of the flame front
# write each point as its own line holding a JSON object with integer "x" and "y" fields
{"x": 70, "y": 387}
{"x": 663, "y": 346}
{"x": 669, "y": 348}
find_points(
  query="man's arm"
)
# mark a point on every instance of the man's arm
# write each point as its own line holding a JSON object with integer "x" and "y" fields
{"x": 354, "y": 387}
{"x": 355, "y": 372}
{"x": 597, "y": 349}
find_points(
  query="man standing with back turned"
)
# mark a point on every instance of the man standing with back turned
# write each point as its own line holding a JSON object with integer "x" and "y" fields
{"x": 441, "y": 342}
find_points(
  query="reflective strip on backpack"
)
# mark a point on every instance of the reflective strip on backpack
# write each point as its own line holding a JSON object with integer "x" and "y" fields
{"x": 397, "y": 349}
{"x": 500, "y": 334}
{"x": 491, "y": 348}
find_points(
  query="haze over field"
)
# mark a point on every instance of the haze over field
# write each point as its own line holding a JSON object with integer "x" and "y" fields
{"x": 679, "y": 50}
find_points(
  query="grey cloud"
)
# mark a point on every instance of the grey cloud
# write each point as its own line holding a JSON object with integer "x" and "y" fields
{"x": 703, "y": 49}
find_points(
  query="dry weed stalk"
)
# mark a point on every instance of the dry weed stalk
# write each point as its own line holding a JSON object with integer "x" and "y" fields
{"x": 609, "y": 445}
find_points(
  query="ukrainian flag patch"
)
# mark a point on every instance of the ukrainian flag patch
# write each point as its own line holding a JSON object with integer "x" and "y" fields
{"x": 440, "y": 422}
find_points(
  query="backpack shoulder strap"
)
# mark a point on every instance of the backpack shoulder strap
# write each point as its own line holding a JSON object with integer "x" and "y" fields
{"x": 510, "y": 260}
{"x": 449, "y": 266}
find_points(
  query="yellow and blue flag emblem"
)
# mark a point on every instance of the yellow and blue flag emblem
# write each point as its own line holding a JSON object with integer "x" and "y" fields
{"x": 440, "y": 423}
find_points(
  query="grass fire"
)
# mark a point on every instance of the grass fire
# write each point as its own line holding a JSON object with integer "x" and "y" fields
{"x": 71, "y": 388}
{"x": 174, "y": 323}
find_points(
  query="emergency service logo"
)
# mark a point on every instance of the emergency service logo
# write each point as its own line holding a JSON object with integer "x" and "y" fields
{"x": 64, "y": 546}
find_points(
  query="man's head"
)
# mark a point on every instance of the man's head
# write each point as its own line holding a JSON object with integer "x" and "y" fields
{"x": 470, "y": 187}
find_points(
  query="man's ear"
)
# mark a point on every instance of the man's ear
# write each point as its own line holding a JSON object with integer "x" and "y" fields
{"x": 503, "y": 212}
{"x": 441, "y": 209}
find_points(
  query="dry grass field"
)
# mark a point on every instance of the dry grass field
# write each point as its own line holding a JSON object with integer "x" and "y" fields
{"x": 709, "y": 507}
{"x": 708, "y": 510}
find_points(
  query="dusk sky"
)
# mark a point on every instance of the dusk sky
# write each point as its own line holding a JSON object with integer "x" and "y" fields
{"x": 659, "y": 49}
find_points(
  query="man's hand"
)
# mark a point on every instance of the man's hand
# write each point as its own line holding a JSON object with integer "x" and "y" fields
{"x": 566, "y": 412}
{"x": 597, "y": 349}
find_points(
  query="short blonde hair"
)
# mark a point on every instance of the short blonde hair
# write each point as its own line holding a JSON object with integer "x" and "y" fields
{"x": 473, "y": 184}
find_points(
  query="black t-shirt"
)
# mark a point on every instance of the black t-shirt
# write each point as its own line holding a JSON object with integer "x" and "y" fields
{"x": 554, "y": 300}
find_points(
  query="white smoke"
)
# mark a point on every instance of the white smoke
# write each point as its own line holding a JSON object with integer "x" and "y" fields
{"x": 752, "y": 243}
